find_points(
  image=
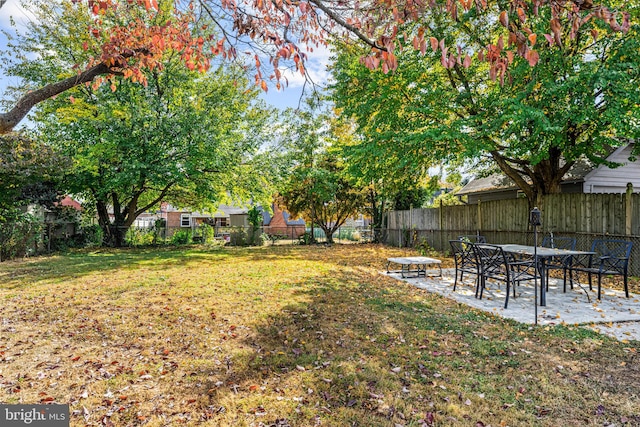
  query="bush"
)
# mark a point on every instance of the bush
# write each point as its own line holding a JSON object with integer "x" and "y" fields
{"x": 306, "y": 238}
{"x": 20, "y": 234}
{"x": 140, "y": 236}
{"x": 204, "y": 233}
{"x": 182, "y": 237}
{"x": 424, "y": 249}
{"x": 238, "y": 237}
{"x": 91, "y": 236}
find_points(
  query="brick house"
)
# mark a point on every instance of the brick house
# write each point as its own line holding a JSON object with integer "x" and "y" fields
{"x": 280, "y": 223}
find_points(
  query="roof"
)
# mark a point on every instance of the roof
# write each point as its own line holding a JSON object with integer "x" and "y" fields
{"x": 221, "y": 211}
{"x": 267, "y": 217}
{"x": 289, "y": 221}
{"x": 68, "y": 201}
{"x": 500, "y": 182}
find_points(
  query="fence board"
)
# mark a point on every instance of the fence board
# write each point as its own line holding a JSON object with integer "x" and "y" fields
{"x": 585, "y": 216}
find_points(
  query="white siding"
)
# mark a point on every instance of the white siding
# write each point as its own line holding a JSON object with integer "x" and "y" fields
{"x": 607, "y": 180}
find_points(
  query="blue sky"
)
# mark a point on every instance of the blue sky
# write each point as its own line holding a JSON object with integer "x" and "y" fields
{"x": 288, "y": 97}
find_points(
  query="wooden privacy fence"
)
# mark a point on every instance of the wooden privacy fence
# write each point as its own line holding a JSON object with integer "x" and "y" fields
{"x": 584, "y": 216}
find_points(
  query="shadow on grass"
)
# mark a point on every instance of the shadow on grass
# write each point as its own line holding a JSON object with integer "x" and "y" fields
{"x": 82, "y": 263}
{"x": 296, "y": 336}
{"x": 368, "y": 352}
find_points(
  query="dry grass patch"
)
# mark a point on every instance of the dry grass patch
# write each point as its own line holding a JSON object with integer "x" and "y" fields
{"x": 288, "y": 336}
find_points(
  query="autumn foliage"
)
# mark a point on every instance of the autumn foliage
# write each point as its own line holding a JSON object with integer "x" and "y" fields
{"x": 128, "y": 36}
{"x": 284, "y": 29}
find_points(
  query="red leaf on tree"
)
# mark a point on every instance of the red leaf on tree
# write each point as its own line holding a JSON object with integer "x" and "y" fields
{"x": 434, "y": 43}
{"x": 549, "y": 38}
{"x": 504, "y": 19}
{"x": 467, "y": 61}
{"x": 263, "y": 85}
{"x": 443, "y": 58}
{"x": 533, "y": 57}
{"x": 510, "y": 55}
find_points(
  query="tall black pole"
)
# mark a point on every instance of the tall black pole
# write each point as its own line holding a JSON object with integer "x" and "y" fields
{"x": 535, "y": 220}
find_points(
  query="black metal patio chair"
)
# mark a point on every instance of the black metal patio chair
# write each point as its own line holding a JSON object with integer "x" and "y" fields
{"x": 560, "y": 262}
{"x": 465, "y": 261}
{"x": 611, "y": 258}
{"x": 496, "y": 265}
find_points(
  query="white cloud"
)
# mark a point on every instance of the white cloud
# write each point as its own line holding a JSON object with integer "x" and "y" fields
{"x": 12, "y": 10}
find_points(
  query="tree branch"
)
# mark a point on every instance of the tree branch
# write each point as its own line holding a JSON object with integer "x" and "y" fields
{"x": 11, "y": 119}
{"x": 352, "y": 29}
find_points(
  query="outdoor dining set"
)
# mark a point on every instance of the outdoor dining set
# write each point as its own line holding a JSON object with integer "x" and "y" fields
{"x": 514, "y": 263}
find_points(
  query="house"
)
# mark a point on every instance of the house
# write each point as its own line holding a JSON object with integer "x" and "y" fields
{"x": 582, "y": 178}
{"x": 281, "y": 223}
{"x": 225, "y": 216}
{"x": 278, "y": 222}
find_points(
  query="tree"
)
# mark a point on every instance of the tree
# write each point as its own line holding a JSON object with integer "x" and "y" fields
{"x": 321, "y": 195}
{"x": 574, "y": 104}
{"x": 183, "y": 139}
{"x": 29, "y": 173}
{"x": 121, "y": 41}
{"x": 318, "y": 187}
{"x": 388, "y": 184}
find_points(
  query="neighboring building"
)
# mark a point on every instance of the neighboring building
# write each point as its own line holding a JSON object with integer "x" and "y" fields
{"x": 280, "y": 223}
{"x": 225, "y": 216}
{"x": 582, "y": 178}
{"x": 359, "y": 221}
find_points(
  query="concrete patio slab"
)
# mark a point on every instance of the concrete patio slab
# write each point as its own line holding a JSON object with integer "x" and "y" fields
{"x": 614, "y": 315}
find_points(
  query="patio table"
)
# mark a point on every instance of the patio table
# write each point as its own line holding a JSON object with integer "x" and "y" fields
{"x": 420, "y": 263}
{"x": 543, "y": 254}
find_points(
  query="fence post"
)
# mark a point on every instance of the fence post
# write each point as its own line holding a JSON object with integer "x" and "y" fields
{"x": 440, "y": 225}
{"x": 479, "y": 223}
{"x": 628, "y": 209}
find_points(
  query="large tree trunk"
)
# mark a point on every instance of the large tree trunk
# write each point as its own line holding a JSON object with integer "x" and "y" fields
{"x": 113, "y": 233}
{"x": 116, "y": 236}
{"x": 535, "y": 181}
{"x": 329, "y": 236}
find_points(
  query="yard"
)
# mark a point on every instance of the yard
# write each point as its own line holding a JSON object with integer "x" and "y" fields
{"x": 289, "y": 336}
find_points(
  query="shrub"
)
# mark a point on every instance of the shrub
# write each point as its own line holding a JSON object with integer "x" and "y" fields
{"x": 140, "y": 236}
{"x": 238, "y": 237}
{"x": 20, "y": 234}
{"x": 182, "y": 237}
{"x": 91, "y": 235}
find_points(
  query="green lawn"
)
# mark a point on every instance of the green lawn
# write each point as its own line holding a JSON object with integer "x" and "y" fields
{"x": 289, "y": 336}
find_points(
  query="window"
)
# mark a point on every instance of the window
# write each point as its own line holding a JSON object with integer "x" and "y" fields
{"x": 185, "y": 220}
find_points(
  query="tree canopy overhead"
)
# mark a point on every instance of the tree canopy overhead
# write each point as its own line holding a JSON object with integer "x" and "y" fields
{"x": 119, "y": 41}
{"x": 577, "y": 102}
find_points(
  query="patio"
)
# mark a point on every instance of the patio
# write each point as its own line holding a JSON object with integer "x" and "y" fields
{"x": 614, "y": 315}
